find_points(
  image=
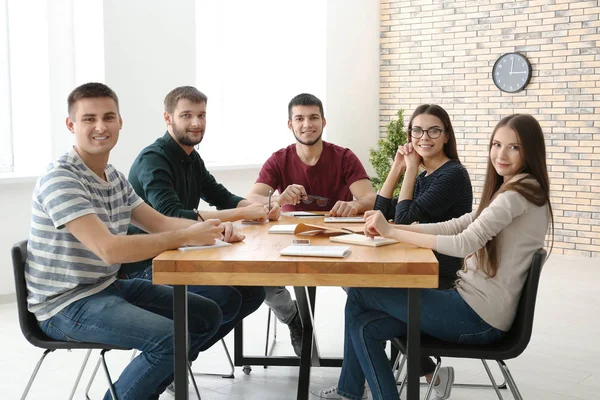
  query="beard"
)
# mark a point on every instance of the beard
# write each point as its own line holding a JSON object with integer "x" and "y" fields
{"x": 183, "y": 138}
{"x": 306, "y": 142}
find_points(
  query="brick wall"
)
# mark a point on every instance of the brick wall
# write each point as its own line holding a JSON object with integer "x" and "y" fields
{"x": 442, "y": 51}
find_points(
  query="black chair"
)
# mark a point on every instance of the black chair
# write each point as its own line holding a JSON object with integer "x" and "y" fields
{"x": 35, "y": 336}
{"x": 509, "y": 347}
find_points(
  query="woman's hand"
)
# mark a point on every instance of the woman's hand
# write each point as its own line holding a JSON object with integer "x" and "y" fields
{"x": 377, "y": 225}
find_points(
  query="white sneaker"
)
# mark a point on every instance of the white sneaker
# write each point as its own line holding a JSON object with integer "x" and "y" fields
{"x": 331, "y": 393}
{"x": 442, "y": 390}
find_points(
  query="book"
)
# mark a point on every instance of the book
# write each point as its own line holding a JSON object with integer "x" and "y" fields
{"x": 317, "y": 251}
{"x": 356, "y": 219}
{"x": 218, "y": 243}
{"x": 285, "y": 229}
{"x": 362, "y": 240}
{"x": 311, "y": 230}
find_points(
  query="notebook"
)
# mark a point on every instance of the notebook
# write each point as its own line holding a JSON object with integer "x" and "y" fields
{"x": 362, "y": 240}
{"x": 285, "y": 229}
{"x": 317, "y": 251}
{"x": 218, "y": 243}
{"x": 357, "y": 219}
{"x": 311, "y": 230}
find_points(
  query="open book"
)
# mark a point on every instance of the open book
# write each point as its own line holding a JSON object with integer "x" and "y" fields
{"x": 310, "y": 230}
{"x": 317, "y": 251}
{"x": 362, "y": 240}
{"x": 218, "y": 243}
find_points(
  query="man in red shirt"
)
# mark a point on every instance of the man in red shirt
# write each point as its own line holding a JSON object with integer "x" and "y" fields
{"x": 310, "y": 175}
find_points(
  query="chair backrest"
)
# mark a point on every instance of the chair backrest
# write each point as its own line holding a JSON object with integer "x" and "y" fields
{"x": 520, "y": 332}
{"x": 28, "y": 322}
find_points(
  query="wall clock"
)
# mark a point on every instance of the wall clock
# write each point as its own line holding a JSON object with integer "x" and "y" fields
{"x": 511, "y": 72}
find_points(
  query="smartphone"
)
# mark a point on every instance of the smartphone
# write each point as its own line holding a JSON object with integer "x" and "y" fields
{"x": 301, "y": 242}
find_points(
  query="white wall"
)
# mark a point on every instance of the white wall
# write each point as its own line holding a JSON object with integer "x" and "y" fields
{"x": 150, "y": 49}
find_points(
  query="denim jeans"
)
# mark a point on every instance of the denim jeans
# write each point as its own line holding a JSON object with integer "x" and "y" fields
{"x": 375, "y": 315}
{"x": 235, "y": 302}
{"x": 139, "y": 315}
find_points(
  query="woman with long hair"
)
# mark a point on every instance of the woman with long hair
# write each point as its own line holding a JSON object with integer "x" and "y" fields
{"x": 498, "y": 241}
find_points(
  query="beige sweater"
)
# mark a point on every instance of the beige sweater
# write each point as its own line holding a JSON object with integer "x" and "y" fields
{"x": 521, "y": 228}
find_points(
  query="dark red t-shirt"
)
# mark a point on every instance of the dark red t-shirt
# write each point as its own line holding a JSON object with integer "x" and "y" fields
{"x": 330, "y": 177}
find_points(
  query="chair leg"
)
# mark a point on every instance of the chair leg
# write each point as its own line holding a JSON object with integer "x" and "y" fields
{"x": 487, "y": 369}
{"x": 89, "y": 385}
{"x": 111, "y": 386}
{"x": 269, "y": 350}
{"x": 509, "y": 380}
{"x": 403, "y": 385}
{"x": 193, "y": 381}
{"x": 434, "y": 377}
{"x": 399, "y": 365}
{"x": 34, "y": 373}
{"x": 231, "y": 374}
{"x": 85, "y": 360}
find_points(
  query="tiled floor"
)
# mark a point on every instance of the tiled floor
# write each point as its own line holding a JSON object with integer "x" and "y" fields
{"x": 561, "y": 362}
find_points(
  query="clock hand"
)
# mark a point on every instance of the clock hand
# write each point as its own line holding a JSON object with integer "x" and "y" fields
{"x": 512, "y": 62}
{"x": 520, "y": 72}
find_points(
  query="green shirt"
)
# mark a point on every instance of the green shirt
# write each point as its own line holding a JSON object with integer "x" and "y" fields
{"x": 173, "y": 183}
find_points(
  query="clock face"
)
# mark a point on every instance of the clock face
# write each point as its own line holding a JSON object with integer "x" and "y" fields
{"x": 511, "y": 72}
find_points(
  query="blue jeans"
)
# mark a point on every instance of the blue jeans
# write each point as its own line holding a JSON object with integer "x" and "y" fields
{"x": 235, "y": 302}
{"x": 139, "y": 315}
{"x": 376, "y": 315}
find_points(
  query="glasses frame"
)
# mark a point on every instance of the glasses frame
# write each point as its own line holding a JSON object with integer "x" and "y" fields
{"x": 318, "y": 200}
{"x": 426, "y": 131}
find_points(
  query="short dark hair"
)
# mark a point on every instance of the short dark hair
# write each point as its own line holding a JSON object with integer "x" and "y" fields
{"x": 183, "y": 92}
{"x": 90, "y": 90}
{"x": 305, "y": 99}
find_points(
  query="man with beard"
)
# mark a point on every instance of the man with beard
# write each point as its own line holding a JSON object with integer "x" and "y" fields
{"x": 310, "y": 175}
{"x": 171, "y": 177}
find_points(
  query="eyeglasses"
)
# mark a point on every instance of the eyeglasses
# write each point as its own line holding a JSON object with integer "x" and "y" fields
{"x": 434, "y": 132}
{"x": 320, "y": 201}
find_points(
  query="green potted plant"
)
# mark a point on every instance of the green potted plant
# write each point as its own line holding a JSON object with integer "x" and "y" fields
{"x": 382, "y": 157}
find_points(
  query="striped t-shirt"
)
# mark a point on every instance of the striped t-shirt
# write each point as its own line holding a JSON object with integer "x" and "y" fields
{"x": 61, "y": 270}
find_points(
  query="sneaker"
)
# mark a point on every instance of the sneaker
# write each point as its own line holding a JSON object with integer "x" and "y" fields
{"x": 442, "y": 390}
{"x": 331, "y": 393}
{"x": 295, "y": 327}
{"x": 171, "y": 389}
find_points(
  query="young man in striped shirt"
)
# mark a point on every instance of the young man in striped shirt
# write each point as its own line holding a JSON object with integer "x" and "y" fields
{"x": 81, "y": 209}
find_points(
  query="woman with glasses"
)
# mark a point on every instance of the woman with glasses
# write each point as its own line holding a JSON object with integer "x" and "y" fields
{"x": 436, "y": 188}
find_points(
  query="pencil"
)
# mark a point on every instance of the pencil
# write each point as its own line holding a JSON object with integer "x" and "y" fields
{"x": 198, "y": 214}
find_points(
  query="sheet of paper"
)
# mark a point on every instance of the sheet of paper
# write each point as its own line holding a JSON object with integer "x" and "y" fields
{"x": 218, "y": 243}
{"x": 345, "y": 219}
{"x": 283, "y": 228}
{"x": 317, "y": 251}
{"x": 362, "y": 240}
{"x": 300, "y": 214}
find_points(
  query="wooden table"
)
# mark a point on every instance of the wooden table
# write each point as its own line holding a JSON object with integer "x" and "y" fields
{"x": 256, "y": 262}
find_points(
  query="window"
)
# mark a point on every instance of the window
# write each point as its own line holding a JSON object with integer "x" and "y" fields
{"x": 250, "y": 63}
{"x": 6, "y": 154}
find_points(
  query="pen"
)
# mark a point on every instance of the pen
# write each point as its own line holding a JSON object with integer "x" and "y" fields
{"x": 198, "y": 214}
{"x": 270, "y": 194}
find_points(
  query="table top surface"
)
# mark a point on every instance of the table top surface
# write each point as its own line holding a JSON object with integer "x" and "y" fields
{"x": 256, "y": 261}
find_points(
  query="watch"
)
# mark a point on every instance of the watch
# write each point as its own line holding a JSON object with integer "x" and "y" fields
{"x": 511, "y": 72}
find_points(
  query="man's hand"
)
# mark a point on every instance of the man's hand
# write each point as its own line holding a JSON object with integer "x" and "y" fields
{"x": 230, "y": 234}
{"x": 255, "y": 212}
{"x": 275, "y": 212}
{"x": 292, "y": 195}
{"x": 204, "y": 233}
{"x": 343, "y": 209}
{"x": 376, "y": 224}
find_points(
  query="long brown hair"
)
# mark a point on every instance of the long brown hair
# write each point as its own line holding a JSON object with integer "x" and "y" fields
{"x": 437, "y": 111}
{"x": 533, "y": 152}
